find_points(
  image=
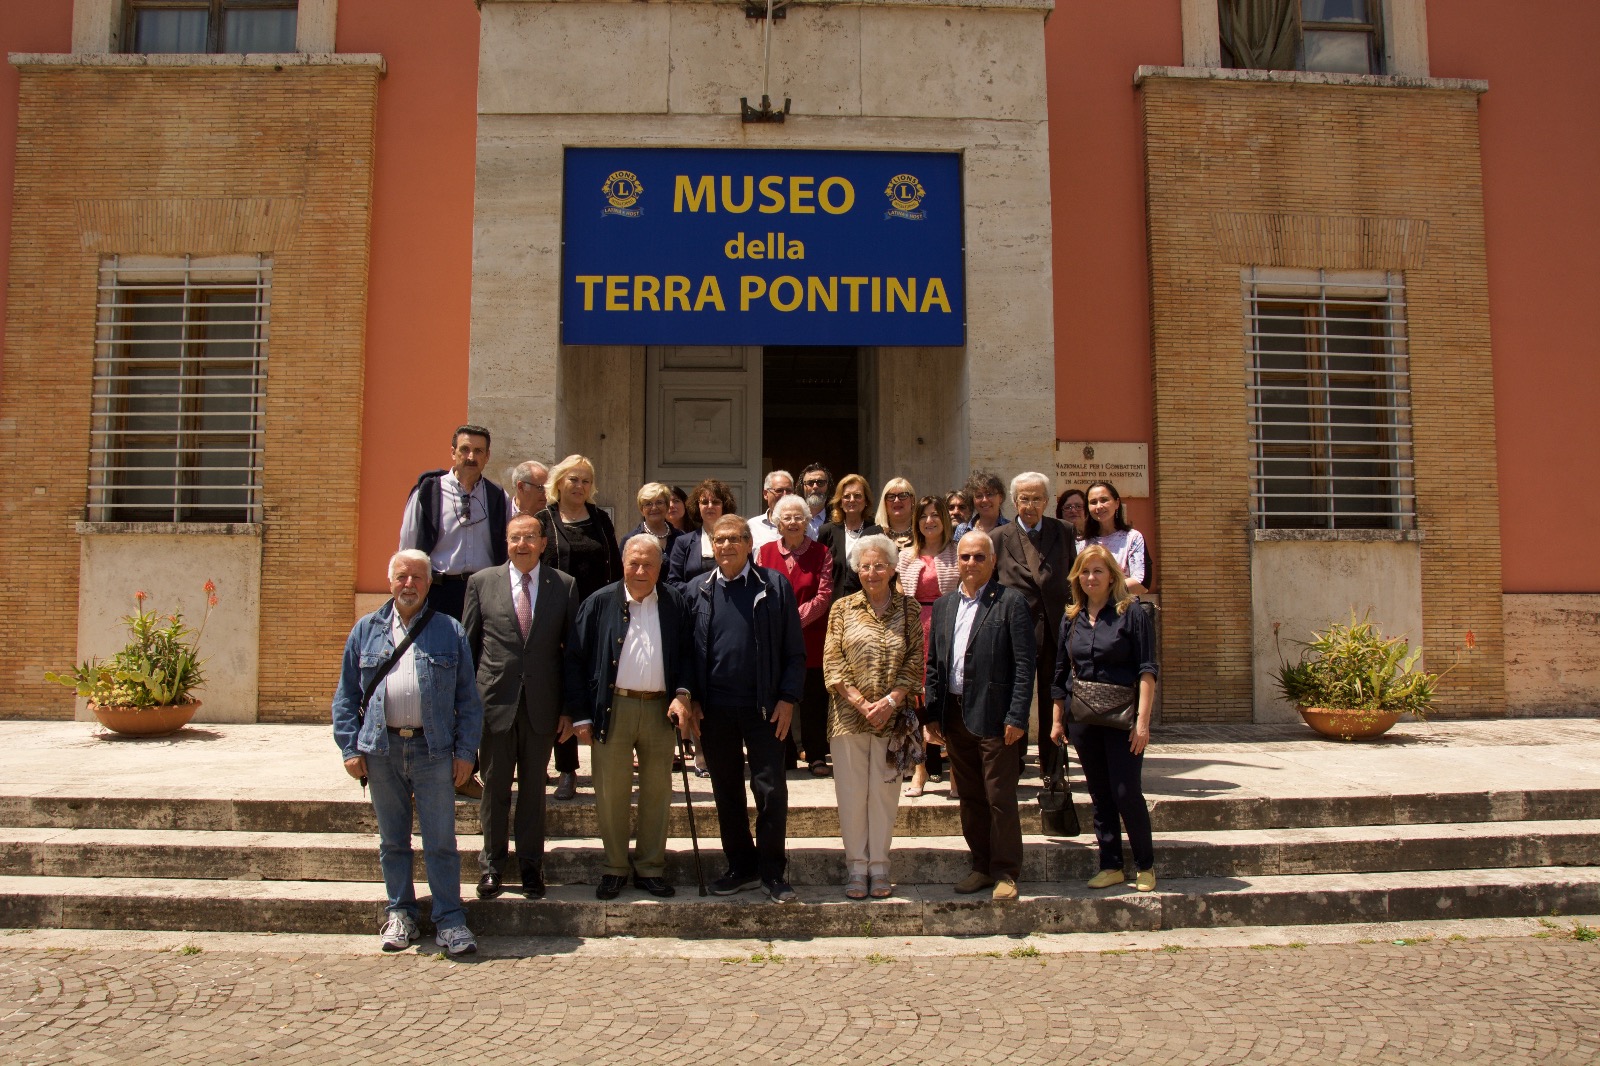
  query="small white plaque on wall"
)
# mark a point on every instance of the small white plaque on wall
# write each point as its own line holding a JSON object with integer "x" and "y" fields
{"x": 1127, "y": 466}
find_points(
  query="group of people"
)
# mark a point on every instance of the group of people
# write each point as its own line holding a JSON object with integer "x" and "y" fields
{"x": 872, "y": 645}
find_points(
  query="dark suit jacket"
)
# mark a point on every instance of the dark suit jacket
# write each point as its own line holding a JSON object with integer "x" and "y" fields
{"x": 591, "y": 659}
{"x": 845, "y": 580}
{"x": 780, "y": 647}
{"x": 508, "y": 666}
{"x": 686, "y": 562}
{"x": 999, "y": 667}
{"x": 1040, "y": 574}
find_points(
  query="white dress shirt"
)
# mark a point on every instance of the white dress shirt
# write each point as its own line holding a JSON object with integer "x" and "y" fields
{"x": 763, "y": 530}
{"x": 402, "y": 697}
{"x": 640, "y": 665}
{"x": 463, "y": 545}
{"x": 966, "y": 614}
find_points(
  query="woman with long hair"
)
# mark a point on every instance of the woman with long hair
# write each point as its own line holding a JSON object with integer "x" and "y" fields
{"x": 1107, "y": 648}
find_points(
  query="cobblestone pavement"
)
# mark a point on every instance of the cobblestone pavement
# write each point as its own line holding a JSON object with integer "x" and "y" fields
{"x": 1499, "y": 1001}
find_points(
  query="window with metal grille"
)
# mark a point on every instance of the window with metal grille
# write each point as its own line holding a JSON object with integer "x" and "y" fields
{"x": 180, "y": 371}
{"x": 160, "y": 26}
{"x": 1330, "y": 401}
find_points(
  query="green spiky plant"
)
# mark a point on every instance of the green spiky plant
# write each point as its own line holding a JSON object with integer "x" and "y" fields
{"x": 1354, "y": 667}
{"x": 160, "y": 666}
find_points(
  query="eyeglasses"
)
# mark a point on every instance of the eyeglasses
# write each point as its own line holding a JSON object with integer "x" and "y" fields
{"x": 464, "y": 511}
{"x": 724, "y": 541}
{"x": 972, "y": 557}
{"x": 1073, "y": 506}
{"x": 781, "y": 490}
{"x": 897, "y": 497}
{"x": 529, "y": 485}
{"x": 815, "y": 482}
{"x": 873, "y": 568}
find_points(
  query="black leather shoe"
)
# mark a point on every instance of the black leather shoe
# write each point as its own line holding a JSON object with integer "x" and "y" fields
{"x": 489, "y": 885}
{"x": 655, "y": 886}
{"x": 532, "y": 883}
{"x": 610, "y": 886}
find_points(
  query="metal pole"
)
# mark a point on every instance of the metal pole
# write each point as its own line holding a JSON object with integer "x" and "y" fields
{"x": 688, "y": 802}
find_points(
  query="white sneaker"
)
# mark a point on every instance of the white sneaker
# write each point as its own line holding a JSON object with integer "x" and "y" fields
{"x": 399, "y": 931}
{"x": 457, "y": 940}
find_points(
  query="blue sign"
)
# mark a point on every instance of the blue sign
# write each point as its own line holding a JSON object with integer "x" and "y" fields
{"x": 729, "y": 246}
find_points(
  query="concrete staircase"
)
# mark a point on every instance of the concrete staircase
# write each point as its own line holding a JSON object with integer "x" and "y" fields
{"x": 247, "y": 864}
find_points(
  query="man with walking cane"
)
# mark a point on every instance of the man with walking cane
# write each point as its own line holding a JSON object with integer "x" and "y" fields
{"x": 628, "y": 666}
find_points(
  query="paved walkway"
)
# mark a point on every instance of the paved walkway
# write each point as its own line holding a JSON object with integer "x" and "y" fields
{"x": 300, "y": 762}
{"x": 1503, "y": 1001}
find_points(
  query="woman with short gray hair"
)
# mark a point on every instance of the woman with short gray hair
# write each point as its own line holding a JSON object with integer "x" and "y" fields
{"x": 872, "y": 666}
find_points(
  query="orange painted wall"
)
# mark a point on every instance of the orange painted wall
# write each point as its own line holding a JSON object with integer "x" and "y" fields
{"x": 421, "y": 283}
{"x": 1101, "y": 266}
{"x": 1540, "y": 123}
{"x": 24, "y": 27}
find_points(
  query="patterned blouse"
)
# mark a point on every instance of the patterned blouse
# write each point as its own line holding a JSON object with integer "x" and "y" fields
{"x": 873, "y": 654}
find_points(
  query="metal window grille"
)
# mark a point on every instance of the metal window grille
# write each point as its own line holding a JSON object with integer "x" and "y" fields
{"x": 1330, "y": 402}
{"x": 179, "y": 380}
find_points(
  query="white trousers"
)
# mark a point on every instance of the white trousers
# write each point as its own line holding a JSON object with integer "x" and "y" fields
{"x": 867, "y": 802}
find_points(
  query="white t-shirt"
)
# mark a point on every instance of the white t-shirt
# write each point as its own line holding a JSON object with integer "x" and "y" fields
{"x": 1127, "y": 547}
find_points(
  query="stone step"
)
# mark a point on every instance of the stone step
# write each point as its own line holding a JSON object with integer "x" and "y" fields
{"x": 351, "y": 907}
{"x": 146, "y": 853}
{"x": 811, "y": 813}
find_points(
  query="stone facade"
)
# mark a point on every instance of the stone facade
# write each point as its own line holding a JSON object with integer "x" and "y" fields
{"x": 166, "y": 156}
{"x": 1316, "y": 171}
{"x": 901, "y": 75}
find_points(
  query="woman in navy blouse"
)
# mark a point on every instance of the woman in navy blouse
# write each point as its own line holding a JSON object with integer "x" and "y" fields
{"x": 1107, "y": 637}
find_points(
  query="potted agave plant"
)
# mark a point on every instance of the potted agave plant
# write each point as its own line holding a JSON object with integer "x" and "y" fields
{"x": 146, "y": 689}
{"x": 1351, "y": 681}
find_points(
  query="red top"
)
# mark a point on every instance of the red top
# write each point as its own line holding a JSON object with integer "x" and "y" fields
{"x": 810, "y": 573}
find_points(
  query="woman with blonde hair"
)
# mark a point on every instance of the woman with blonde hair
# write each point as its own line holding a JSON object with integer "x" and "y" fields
{"x": 580, "y": 541}
{"x": 1106, "y": 671}
{"x": 655, "y": 504}
{"x": 895, "y": 511}
{"x": 848, "y": 521}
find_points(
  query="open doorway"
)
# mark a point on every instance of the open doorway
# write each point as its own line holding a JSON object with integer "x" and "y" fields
{"x": 811, "y": 411}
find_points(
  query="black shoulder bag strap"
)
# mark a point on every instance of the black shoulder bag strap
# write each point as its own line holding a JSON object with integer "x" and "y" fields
{"x": 387, "y": 665}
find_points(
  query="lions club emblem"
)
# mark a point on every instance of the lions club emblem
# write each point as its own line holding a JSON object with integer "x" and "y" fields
{"x": 622, "y": 191}
{"x": 905, "y": 195}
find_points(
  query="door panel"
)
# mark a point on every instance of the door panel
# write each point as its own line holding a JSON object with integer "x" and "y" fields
{"x": 703, "y": 418}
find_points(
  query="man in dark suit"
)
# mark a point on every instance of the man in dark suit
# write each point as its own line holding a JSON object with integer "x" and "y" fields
{"x": 980, "y": 676}
{"x": 1034, "y": 555}
{"x": 628, "y": 667}
{"x": 749, "y": 672}
{"x": 517, "y": 620}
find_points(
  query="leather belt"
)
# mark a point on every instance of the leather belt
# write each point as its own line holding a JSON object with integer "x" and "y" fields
{"x": 408, "y": 733}
{"x": 634, "y": 694}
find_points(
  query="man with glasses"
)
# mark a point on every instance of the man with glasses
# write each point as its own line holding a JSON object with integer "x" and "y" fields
{"x": 763, "y": 529}
{"x": 981, "y": 657}
{"x": 458, "y": 519}
{"x": 1034, "y": 555}
{"x": 749, "y": 673}
{"x": 527, "y": 486}
{"x": 815, "y": 481}
{"x": 988, "y": 493}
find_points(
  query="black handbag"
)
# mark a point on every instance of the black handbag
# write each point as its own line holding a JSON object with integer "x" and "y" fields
{"x": 1097, "y": 703}
{"x": 1057, "y": 816}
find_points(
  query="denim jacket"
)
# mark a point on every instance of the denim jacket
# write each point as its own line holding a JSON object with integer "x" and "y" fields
{"x": 452, "y": 714}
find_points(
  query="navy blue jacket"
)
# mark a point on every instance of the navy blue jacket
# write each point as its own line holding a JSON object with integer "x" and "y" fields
{"x": 596, "y": 641}
{"x": 780, "y": 649}
{"x": 1001, "y": 660}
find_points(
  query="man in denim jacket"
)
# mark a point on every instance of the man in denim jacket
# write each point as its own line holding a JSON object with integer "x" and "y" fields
{"x": 417, "y": 740}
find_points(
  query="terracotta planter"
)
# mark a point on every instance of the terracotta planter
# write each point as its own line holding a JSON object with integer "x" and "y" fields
{"x": 1349, "y": 725}
{"x": 145, "y": 722}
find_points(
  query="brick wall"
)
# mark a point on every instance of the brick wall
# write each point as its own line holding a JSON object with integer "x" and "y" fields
{"x": 1340, "y": 177}
{"x": 166, "y": 160}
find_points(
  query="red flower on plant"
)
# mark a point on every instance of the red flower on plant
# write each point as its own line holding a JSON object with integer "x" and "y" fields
{"x": 211, "y": 586}
{"x": 211, "y": 601}
{"x": 1472, "y": 641}
{"x": 141, "y": 596}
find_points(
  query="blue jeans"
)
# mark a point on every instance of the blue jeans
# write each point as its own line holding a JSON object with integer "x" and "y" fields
{"x": 406, "y": 771}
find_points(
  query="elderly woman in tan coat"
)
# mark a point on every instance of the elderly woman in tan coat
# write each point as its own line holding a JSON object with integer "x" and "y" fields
{"x": 872, "y": 666}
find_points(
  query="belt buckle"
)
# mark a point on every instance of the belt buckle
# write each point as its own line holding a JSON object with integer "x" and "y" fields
{"x": 408, "y": 733}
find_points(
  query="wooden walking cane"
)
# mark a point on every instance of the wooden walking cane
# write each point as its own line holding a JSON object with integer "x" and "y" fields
{"x": 688, "y": 802}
